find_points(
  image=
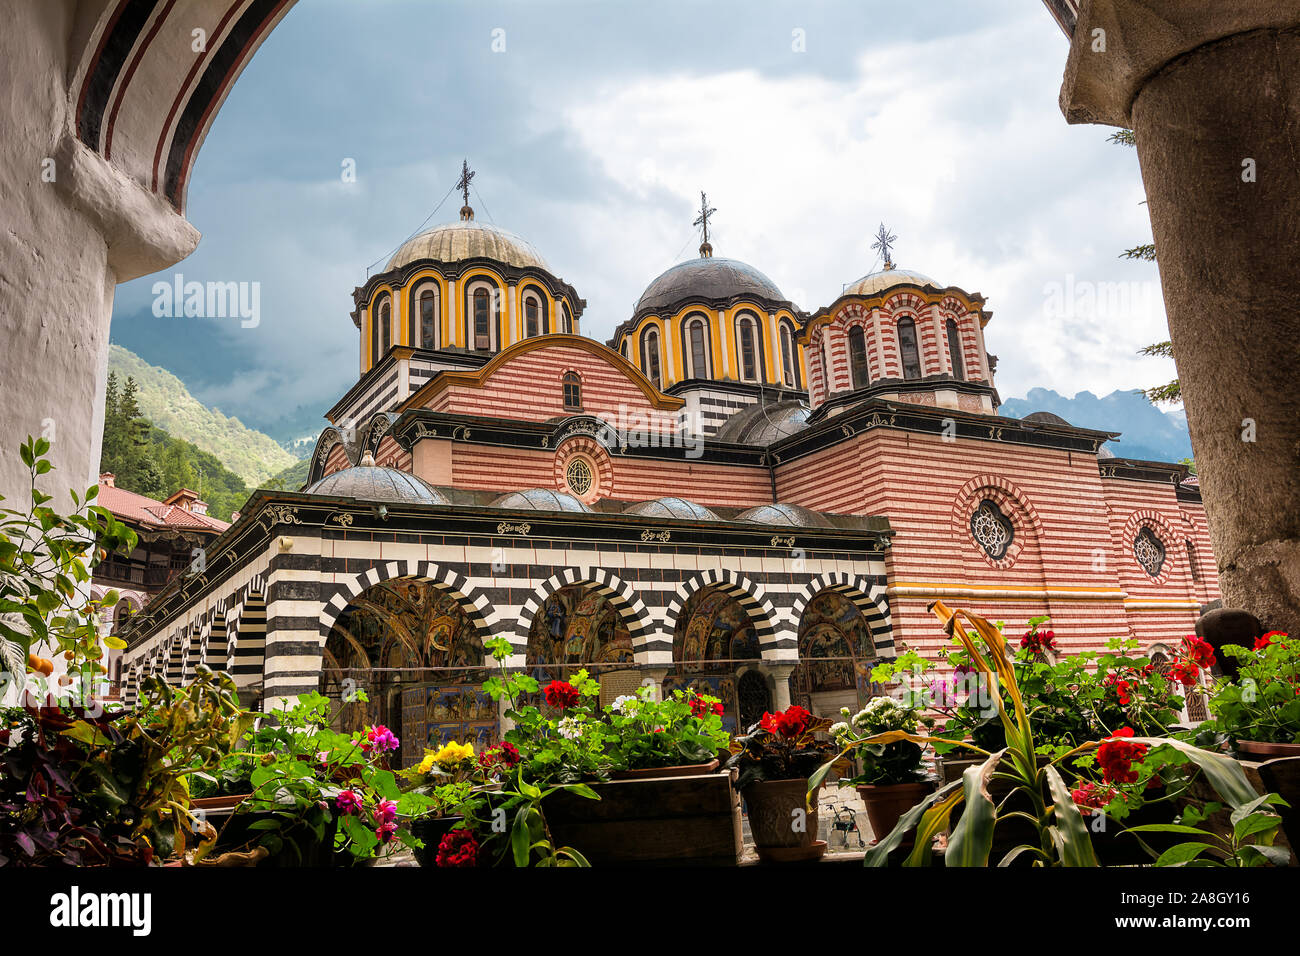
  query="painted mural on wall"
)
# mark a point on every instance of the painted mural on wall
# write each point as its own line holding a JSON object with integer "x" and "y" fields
{"x": 577, "y": 627}
{"x": 714, "y": 638}
{"x": 419, "y": 659}
{"x": 835, "y": 650}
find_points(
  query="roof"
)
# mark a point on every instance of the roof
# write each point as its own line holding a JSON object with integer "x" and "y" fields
{"x": 888, "y": 278}
{"x": 707, "y": 279}
{"x": 368, "y": 482}
{"x": 467, "y": 239}
{"x": 149, "y": 513}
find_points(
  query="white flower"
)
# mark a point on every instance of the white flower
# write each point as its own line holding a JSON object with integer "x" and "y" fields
{"x": 570, "y": 728}
{"x": 625, "y": 704}
{"x": 844, "y": 712}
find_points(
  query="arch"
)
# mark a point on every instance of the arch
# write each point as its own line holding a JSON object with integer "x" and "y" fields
{"x": 750, "y": 364}
{"x": 955, "y": 356}
{"x": 869, "y": 597}
{"x": 696, "y": 346}
{"x": 249, "y": 658}
{"x": 749, "y": 595}
{"x": 472, "y": 601}
{"x": 480, "y": 281}
{"x": 533, "y": 309}
{"x": 423, "y": 315}
{"x": 1157, "y": 524}
{"x": 216, "y": 650}
{"x": 652, "y": 355}
{"x": 859, "y": 367}
{"x": 629, "y": 607}
{"x": 596, "y": 455}
{"x": 789, "y": 349}
{"x": 571, "y": 382}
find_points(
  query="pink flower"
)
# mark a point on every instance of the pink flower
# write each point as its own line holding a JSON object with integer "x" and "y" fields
{"x": 386, "y": 832}
{"x": 348, "y": 802}
{"x": 386, "y": 812}
{"x": 380, "y": 739}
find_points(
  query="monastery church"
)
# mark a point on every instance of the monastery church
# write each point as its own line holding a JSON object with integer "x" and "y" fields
{"x": 730, "y": 493}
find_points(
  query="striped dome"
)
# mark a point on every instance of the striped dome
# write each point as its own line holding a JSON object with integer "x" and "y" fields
{"x": 678, "y": 508}
{"x": 540, "y": 499}
{"x": 371, "y": 483}
{"x": 781, "y": 513}
{"x": 467, "y": 239}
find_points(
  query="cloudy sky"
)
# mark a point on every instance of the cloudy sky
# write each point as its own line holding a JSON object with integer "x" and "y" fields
{"x": 593, "y": 132}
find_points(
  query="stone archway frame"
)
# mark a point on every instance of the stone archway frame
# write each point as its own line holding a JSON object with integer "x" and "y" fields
{"x": 775, "y": 643}
{"x": 868, "y": 597}
{"x": 629, "y": 607}
{"x": 602, "y": 467}
{"x": 471, "y": 600}
{"x": 1015, "y": 504}
{"x": 1158, "y": 523}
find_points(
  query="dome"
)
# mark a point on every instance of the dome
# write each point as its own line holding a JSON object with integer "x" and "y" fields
{"x": 765, "y": 424}
{"x": 468, "y": 239}
{"x": 678, "y": 508}
{"x": 367, "y": 482}
{"x": 887, "y": 279}
{"x": 1045, "y": 418}
{"x": 1105, "y": 452}
{"x": 781, "y": 513}
{"x": 708, "y": 279}
{"x": 540, "y": 499}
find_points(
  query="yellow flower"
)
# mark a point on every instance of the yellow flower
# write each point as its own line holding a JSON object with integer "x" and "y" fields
{"x": 453, "y": 753}
{"x": 426, "y": 765}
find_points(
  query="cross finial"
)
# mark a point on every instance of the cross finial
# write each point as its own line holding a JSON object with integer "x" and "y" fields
{"x": 884, "y": 242}
{"x": 466, "y": 176}
{"x": 702, "y": 220}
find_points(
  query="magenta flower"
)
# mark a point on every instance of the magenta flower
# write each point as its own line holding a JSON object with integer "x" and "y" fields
{"x": 348, "y": 802}
{"x": 380, "y": 738}
{"x": 386, "y": 812}
{"x": 386, "y": 832}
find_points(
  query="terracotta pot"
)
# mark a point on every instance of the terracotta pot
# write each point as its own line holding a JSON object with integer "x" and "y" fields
{"x": 1266, "y": 750}
{"x": 228, "y": 802}
{"x": 431, "y": 830}
{"x": 886, "y": 802}
{"x": 654, "y": 773}
{"x": 771, "y": 805}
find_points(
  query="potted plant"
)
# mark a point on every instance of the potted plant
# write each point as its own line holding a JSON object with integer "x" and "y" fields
{"x": 774, "y": 760}
{"x": 445, "y": 785}
{"x": 675, "y": 737}
{"x": 1259, "y": 711}
{"x": 893, "y": 777}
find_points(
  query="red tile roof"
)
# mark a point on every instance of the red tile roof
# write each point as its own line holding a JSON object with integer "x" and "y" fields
{"x": 139, "y": 509}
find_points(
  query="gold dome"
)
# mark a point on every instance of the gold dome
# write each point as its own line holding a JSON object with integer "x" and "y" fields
{"x": 467, "y": 239}
{"x": 887, "y": 279}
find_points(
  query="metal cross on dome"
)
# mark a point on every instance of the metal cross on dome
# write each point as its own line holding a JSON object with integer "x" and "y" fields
{"x": 884, "y": 241}
{"x": 703, "y": 218}
{"x": 466, "y": 174}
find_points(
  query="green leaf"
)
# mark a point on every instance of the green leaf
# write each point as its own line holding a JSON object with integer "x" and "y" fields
{"x": 972, "y": 837}
{"x": 1182, "y": 853}
{"x": 519, "y": 839}
{"x": 878, "y": 855}
{"x": 1076, "y": 844}
{"x": 1166, "y": 828}
{"x": 1255, "y": 823}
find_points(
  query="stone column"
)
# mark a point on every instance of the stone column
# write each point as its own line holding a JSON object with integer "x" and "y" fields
{"x": 1212, "y": 92}
{"x": 779, "y": 674}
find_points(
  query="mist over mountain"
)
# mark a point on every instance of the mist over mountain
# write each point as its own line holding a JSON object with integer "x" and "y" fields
{"x": 1148, "y": 433}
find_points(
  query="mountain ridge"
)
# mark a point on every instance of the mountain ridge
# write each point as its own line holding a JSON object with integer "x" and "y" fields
{"x": 1147, "y": 433}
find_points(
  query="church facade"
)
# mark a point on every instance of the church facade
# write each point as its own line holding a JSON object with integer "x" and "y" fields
{"x": 730, "y": 493}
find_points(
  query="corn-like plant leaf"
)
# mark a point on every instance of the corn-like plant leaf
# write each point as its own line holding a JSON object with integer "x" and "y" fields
{"x": 1182, "y": 853}
{"x": 878, "y": 855}
{"x": 933, "y": 822}
{"x": 1222, "y": 772}
{"x": 1075, "y": 843}
{"x": 972, "y": 837}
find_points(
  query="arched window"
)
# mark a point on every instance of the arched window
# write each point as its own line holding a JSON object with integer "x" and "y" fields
{"x": 385, "y": 328}
{"x": 375, "y": 335}
{"x": 698, "y": 350}
{"x": 858, "y": 357}
{"x": 650, "y": 356}
{"x": 567, "y": 318}
{"x": 787, "y": 357}
{"x": 532, "y": 317}
{"x": 482, "y": 320}
{"x": 1192, "y": 563}
{"x": 428, "y": 338}
{"x": 907, "y": 350}
{"x": 572, "y": 390}
{"x": 747, "y": 350}
{"x": 954, "y": 350}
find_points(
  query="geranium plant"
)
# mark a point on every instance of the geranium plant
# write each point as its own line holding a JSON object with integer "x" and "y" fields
{"x": 643, "y": 733}
{"x": 781, "y": 746}
{"x": 1263, "y": 702}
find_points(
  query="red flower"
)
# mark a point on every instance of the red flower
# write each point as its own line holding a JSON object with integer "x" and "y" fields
{"x": 505, "y": 754}
{"x": 1090, "y": 795}
{"x": 1199, "y": 651}
{"x": 562, "y": 694}
{"x": 1116, "y": 756}
{"x": 1038, "y": 640}
{"x": 1122, "y": 688}
{"x": 702, "y": 708}
{"x": 790, "y": 723}
{"x": 1185, "y": 672}
{"x": 458, "y": 848}
{"x": 1270, "y": 638}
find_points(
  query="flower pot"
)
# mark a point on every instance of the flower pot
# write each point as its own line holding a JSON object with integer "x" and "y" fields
{"x": 227, "y": 802}
{"x": 887, "y": 802}
{"x": 952, "y": 766}
{"x": 431, "y": 830}
{"x": 653, "y": 773}
{"x": 1264, "y": 750}
{"x": 771, "y": 807}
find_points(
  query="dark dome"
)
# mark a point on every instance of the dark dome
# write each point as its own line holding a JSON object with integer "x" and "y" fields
{"x": 781, "y": 513}
{"x": 765, "y": 424}
{"x": 708, "y": 279}
{"x": 672, "y": 508}
{"x": 540, "y": 499}
{"x": 1046, "y": 418}
{"x": 366, "y": 482}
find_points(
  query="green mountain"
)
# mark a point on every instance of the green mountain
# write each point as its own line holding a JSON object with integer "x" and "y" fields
{"x": 293, "y": 477}
{"x": 167, "y": 403}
